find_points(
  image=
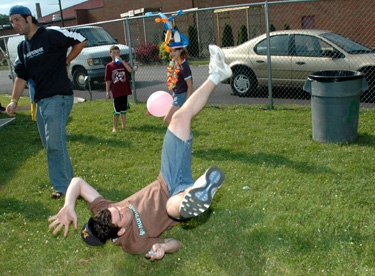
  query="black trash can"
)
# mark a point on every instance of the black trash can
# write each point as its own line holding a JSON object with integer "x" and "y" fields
{"x": 335, "y": 98}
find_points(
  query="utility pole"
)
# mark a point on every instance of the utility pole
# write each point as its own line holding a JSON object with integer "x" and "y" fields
{"x": 61, "y": 14}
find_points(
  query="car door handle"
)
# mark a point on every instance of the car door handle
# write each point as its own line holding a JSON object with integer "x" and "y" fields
{"x": 300, "y": 63}
{"x": 260, "y": 61}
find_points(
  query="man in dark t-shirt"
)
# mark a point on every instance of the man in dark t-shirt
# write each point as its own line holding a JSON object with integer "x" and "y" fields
{"x": 43, "y": 59}
{"x": 137, "y": 222}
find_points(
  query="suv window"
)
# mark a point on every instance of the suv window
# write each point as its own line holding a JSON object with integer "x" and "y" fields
{"x": 96, "y": 36}
{"x": 278, "y": 43}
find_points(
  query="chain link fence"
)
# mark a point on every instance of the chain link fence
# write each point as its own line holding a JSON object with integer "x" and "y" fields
{"x": 302, "y": 40}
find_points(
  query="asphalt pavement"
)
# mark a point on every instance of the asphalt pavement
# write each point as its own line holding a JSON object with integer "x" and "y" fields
{"x": 149, "y": 79}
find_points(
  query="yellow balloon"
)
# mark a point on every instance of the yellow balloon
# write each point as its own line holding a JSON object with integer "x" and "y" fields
{"x": 168, "y": 36}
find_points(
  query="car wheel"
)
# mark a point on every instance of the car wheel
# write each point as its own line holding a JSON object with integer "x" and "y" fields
{"x": 243, "y": 82}
{"x": 79, "y": 78}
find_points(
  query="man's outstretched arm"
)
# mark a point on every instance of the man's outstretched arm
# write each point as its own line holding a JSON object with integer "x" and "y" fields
{"x": 77, "y": 187}
{"x": 158, "y": 250}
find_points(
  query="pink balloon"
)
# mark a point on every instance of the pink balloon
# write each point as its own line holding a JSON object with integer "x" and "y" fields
{"x": 159, "y": 103}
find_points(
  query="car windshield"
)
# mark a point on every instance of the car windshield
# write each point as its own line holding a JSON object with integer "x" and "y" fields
{"x": 96, "y": 36}
{"x": 348, "y": 45}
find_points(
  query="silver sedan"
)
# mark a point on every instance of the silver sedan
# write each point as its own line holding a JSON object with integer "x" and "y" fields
{"x": 294, "y": 55}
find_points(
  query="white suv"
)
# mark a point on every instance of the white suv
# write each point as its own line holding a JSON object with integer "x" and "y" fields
{"x": 93, "y": 58}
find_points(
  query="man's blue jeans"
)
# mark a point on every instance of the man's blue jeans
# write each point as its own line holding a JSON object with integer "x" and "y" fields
{"x": 52, "y": 116}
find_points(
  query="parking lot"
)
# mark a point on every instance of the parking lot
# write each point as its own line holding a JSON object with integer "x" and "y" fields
{"x": 145, "y": 87}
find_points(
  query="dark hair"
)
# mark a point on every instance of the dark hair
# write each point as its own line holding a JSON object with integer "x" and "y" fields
{"x": 103, "y": 228}
{"x": 33, "y": 19}
{"x": 184, "y": 52}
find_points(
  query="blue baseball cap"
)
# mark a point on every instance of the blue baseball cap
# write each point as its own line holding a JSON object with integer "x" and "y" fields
{"x": 18, "y": 9}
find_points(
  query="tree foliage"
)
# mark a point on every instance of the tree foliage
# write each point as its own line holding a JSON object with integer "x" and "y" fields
{"x": 193, "y": 47}
{"x": 163, "y": 54}
{"x": 4, "y": 19}
{"x": 242, "y": 35}
{"x": 228, "y": 39}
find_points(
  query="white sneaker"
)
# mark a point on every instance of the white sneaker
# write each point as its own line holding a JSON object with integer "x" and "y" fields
{"x": 217, "y": 63}
{"x": 200, "y": 197}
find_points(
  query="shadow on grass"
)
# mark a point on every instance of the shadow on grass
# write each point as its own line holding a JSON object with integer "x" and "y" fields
{"x": 29, "y": 209}
{"x": 271, "y": 160}
{"x": 14, "y": 153}
{"x": 196, "y": 221}
{"x": 365, "y": 139}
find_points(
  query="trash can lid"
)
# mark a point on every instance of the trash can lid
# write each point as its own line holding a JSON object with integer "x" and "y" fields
{"x": 335, "y": 75}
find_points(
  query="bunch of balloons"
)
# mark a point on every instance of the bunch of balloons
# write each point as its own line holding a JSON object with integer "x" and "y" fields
{"x": 179, "y": 40}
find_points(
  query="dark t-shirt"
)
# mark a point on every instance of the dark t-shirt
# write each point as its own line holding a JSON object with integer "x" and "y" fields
{"x": 120, "y": 79}
{"x": 43, "y": 59}
{"x": 185, "y": 73}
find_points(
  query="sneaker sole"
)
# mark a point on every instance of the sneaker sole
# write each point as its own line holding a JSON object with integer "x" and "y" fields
{"x": 198, "y": 200}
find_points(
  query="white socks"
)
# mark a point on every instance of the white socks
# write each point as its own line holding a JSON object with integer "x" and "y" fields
{"x": 215, "y": 78}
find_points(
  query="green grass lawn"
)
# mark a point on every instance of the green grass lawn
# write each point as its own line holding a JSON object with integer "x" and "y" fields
{"x": 289, "y": 205}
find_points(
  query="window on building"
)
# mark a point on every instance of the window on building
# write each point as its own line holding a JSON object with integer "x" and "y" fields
{"x": 308, "y": 22}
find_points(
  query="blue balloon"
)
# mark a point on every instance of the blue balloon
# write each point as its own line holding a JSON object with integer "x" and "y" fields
{"x": 168, "y": 26}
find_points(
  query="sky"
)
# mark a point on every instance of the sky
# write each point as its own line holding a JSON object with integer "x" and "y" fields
{"x": 47, "y": 6}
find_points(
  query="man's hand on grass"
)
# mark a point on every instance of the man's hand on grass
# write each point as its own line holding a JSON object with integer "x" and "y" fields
{"x": 63, "y": 218}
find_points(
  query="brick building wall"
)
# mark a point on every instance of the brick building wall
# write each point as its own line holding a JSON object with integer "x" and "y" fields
{"x": 353, "y": 18}
{"x": 353, "y": 14}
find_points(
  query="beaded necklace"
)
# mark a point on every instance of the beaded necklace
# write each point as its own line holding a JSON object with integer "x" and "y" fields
{"x": 173, "y": 71}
